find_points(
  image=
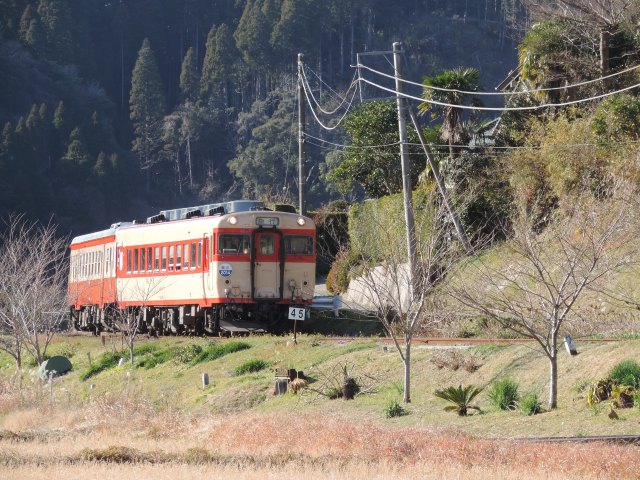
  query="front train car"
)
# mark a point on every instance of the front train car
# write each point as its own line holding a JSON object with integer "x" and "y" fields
{"x": 224, "y": 267}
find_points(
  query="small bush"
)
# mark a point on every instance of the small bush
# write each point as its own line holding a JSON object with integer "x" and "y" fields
{"x": 600, "y": 391}
{"x": 153, "y": 357}
{"x": 297, "y": 385}
{"x": 627, "y": 373}
{"x": 113, "y": 454}
{"x": 216, "y": 351}
{"x": 250, "y": 367}
{"x": 394, "y": 409}
{"x": 333, "y": 393}
{"x": 622, "y": 396}
{"x": 106, "y": 361}
{"x": 454, "y": 359}
{"x": 504, "y": 394}
{"x": 461, "y": 398}
{"x": 188, "y": 354}
{"x": 530, "y": 404}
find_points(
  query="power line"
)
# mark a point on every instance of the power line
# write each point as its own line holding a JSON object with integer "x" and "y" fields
{"x": 453, "y": 90}
{"x": 500, "y": 109}
{"x": 315, "y": 115}
{"x": 491, "y": 147}
{"x": 343, "y": 99}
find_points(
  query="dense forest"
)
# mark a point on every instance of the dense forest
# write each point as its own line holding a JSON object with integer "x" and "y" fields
{"x": 112, "y": 110}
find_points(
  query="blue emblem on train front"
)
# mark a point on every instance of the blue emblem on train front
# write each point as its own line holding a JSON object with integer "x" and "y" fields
{"x": 225, "y": 269}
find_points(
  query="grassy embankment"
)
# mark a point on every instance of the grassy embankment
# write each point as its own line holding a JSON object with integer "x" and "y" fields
{"x": 156, "y": 419}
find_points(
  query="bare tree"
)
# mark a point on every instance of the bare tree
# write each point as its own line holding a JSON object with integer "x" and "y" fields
{"x": 130, "y": 320}
{"x": 547, "y": 268}
{"x": 33, "y": 296}
{"x": 386, "y": 287}
{"x": 605, "y": 15}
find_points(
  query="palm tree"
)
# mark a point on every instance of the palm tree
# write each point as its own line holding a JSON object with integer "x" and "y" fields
{"x": 450, "y": 87}
{"x": 461, "y": 397}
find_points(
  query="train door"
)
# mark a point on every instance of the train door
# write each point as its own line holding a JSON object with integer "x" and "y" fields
{"x": 266, "y": 266}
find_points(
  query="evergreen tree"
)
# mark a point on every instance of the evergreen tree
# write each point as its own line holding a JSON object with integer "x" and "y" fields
{"x": 60, "y": 118}
{"x": 252, "y": 35}
{"x": 35, "y": 37}
{"x": 55, "y": 16}
{"x": 298, "y": 27}
{"x": 147, "y": 106}
{"x": 28, "y": 15}
{"x": 189, "y": 77}
{"x": 218, "y": 65}
{"x": 77, "y": 154}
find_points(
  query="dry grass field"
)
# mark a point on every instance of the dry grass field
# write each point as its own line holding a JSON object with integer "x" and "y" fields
{"x": 158, "y": 423}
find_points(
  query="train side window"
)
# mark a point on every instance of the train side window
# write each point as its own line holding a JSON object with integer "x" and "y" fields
{"x": 193, "y": 255}
{"x": 179, "y": 257}
{"x": 186, "y": 256}
{"x": 156, "y": 264}
{"x": 143, "y": 259}
{"x": 129, "y": 262}
{"x": 171, "y": 253}
{"x": 136, "y": 255}
{"x": 199, "y": 254}
{"x": 164, "y": 259}
{"x": 149, "y": 259}
{"x": 298, "y": 245}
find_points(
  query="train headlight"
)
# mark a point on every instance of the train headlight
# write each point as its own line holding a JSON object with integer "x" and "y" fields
{"x": 301, "y": 221}
{"x": 233, "y": 220}
{"x": 292, "y": 284}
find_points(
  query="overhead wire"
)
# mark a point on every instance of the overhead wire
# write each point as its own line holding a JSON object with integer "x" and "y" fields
{"x": 315, "y": 115}
{"x": 494, "y": 147}
{"x": 537, "y": 90}
{"x": 500, "y": 109}
{"x": 317, "y": 103}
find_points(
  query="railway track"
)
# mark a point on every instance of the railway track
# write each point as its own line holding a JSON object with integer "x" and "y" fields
{"x": 465, "y": 341}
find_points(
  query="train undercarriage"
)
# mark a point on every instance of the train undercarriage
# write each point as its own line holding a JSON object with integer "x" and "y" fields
{"x": 183, "y": 320}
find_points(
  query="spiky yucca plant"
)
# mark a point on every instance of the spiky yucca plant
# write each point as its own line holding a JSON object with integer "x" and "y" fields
{"x": 461, "y": 397}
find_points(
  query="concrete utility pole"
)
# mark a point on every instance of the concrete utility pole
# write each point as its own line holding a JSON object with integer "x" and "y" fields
{"x": 441, "y": 186}
{"x": 302, "y": 182}
{"x": 406, "y": 168}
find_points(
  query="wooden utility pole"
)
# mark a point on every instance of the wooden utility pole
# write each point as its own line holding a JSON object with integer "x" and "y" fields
{"x": 302, "y": 182}
{"x": 406, "y": 169}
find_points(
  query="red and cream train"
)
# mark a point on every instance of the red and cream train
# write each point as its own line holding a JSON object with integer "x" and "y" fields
{"x": 229, "y": 266}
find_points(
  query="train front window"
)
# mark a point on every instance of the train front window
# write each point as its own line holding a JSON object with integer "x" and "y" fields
{"x": 233, "y": 244}
{"x": 298, "y": 245}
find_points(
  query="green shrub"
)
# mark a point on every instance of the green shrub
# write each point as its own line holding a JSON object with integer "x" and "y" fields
{"x": 106, "y": 361}
{"x": 251, "y": 366}
{"x": 503, "y": 394}
{"x": 461, "y": 397}
{"x": 530, "y": 404}
{"x": 340, "y": 272}
{"x": 188, "y": 353}
{"x": 153, "y": 358}
{"x": 216, "y": 351}
{"x": 394, "y": 409}
{"x": 627, "y": 373}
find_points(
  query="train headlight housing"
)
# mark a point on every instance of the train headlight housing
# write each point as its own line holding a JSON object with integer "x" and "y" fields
{"x": 301, "y": 221}
{"x": 233, "y": 220}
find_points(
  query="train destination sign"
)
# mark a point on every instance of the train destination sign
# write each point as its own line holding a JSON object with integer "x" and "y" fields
{"x": 267, "y": 221}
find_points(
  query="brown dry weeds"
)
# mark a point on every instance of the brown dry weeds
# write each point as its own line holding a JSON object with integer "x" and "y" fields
{"x": 127, "y": 439}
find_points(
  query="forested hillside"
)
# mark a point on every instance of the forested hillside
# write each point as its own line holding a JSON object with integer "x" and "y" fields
{"x": 111, "y": 110}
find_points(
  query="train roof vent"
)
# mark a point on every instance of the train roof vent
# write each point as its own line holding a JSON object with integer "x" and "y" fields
{"x": 217, "y": 210}
{"x": 157, "y": 219}
{"x": 193, "y": 213}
